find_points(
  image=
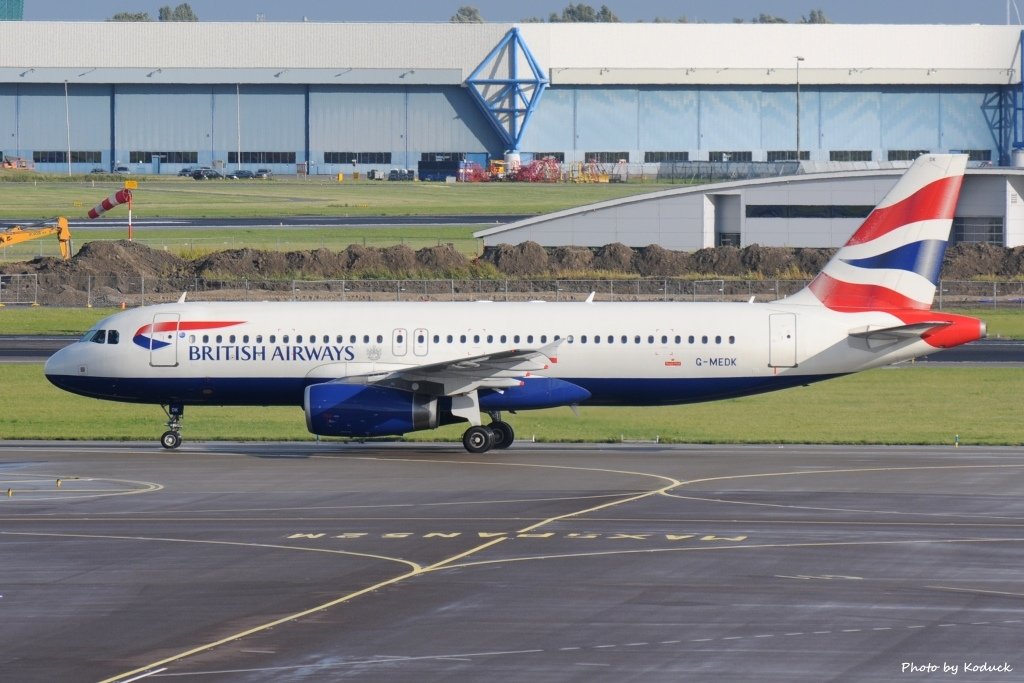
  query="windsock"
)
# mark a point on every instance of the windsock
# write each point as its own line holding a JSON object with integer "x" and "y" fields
{"x": 119, "y": 197}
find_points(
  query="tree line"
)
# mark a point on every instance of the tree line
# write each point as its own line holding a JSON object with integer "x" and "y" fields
{"x": 467, "y": 14}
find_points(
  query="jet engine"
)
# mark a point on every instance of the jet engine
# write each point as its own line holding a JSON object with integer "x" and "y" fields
{"x": 336, "y": 409}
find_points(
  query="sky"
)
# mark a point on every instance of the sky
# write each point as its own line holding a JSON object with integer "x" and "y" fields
{"x": 714, "y": 11}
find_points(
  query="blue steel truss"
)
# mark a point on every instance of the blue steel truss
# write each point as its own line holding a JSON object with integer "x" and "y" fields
{"x": 1018, "y": 106}
{"x": 509, "y": 102}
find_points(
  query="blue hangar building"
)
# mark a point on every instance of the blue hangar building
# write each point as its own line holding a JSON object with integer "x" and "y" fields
{"x": 327, "y": 98}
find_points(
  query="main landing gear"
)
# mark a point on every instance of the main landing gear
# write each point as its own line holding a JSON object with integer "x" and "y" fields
{"x": 175, "y": 414}
{"x": 497, "y": 434}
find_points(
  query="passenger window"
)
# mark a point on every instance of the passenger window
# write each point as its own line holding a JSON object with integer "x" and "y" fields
{"x": 366, "y": 339}
{"x": 245, "y": 339}
{"x": 529, "y": 339}
{"x": 490, "y": 339}
{"x": 192, "y": 339}
{"x": 718, "y": 339}
{"x": 570, "y": 339}
{"x": 340, "y": 339}
{"x": 543, "y": 339}
{"x": 476, "y": 338}
{"x": 231, "y": 339}
{"x": 259, "y": 338}
{"x": 113, "y": 337}
{"x": 504, "y": 339}
{"x": 399, "y": 339}
{"x": 597, "y": 339}
{"x": 636, "y": 339}
{"x": 380, "y": 338}
{"x": 664, "y": 339}
{"x": 732, "y": 339}
{"x": 583, "y": 339}
{"x": 679, "y": 339}
{"x": 206, "y": 339}
{"x": 450, "y": 339}
{"x": 298, "y": 339}
{"x": 650, "y": 339}
{"x": 352, "y": 339}
{"x": 220, "y": 338}
{"x": 273, "y": 338}
{"x": 611, "y": 339}
{"x": 462, "y": 339}
{"x": 327, "y": 339}
{"x": 690, "y": 339}
{"x": 704, "y": 339}
{"x": 515, "y": 339}
{"x": 437, "y": 338}
{"x": 284, "y": 339}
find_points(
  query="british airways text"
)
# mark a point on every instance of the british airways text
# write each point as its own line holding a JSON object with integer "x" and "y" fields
{"x": 262, "y": 352}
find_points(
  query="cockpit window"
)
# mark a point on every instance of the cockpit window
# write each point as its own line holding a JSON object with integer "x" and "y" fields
{"x": 113, "y": 337}
{"x": 99, "y": 337}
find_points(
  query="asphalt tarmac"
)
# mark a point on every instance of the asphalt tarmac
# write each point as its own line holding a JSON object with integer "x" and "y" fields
{"x": 370, "y": 562}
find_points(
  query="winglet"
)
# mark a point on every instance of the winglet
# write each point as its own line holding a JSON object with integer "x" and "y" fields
{"x": 590, "y": 299}
{"x": 181, "y": 299}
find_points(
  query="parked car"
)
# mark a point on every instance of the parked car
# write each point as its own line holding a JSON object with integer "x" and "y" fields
{"x": 97, "y": 171}
{"x": 205, "y": 174}
{"x": 240, "y": 174}
{"x": 123, "y": 170}
{"x": 262, "y": 173}
{"x": 187, "y": 171}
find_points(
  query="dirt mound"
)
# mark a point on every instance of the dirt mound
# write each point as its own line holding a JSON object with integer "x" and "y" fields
{"x": 443, "y": 260}
{"x": 615, "y": 257}
{"x": 725, "y": 261}
{"x": 655, "y": 260}
{"x": 571, "y": 259}
{"x": 965, "y": 261}
{"x": 243, "y": 263}
{"x": 520, "y": 260}
{"x": 767, "y": 261}
{"x": 362, "y": 260}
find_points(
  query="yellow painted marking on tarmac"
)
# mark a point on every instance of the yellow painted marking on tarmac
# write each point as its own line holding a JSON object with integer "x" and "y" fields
{"x": 751, "y": 546}
{"x": 417, "y": 571}
{"x": 443, "y": 564}
{"x": 271, "y": 546}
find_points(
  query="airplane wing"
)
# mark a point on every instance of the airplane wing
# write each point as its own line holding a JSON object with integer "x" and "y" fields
{"x": 463, "y": 375}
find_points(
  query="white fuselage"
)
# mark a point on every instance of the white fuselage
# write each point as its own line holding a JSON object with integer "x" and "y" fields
{"x": 623, "y": 353}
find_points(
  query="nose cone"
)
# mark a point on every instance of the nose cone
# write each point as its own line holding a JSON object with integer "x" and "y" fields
{"x": 62, "y": 367}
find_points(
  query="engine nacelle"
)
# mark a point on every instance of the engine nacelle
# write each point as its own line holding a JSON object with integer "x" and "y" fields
{"x": 534, "y": 392}
{"x": 336, "y": 409}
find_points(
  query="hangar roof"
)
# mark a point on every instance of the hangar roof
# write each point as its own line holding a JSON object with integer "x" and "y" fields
{"x": 446, "y": 53}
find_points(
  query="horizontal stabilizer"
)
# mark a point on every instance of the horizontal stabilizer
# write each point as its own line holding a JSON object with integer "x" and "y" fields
{"x": 899, "y": 332}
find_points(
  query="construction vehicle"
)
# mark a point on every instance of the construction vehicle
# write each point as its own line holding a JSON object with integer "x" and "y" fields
{"x": 17, "y": 164}
{"x": 56, "y": 226}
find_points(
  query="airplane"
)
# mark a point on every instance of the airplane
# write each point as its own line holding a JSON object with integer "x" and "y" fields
{"x": 365, "y": 369}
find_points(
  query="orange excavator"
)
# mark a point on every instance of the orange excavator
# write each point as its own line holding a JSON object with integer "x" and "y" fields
{"x": 57, "y": 226}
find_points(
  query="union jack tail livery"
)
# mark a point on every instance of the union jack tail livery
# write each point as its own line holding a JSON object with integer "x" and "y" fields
{"x": 892, "y": 262}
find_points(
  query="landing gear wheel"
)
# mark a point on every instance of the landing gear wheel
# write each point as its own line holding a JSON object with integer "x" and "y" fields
{"x": 478, "y": 439}
{"x": 503, "y": 434}
{"x": 170, "y": 440}
{"x": 172, "y": 437}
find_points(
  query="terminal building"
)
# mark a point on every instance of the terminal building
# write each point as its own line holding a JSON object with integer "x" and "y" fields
{"x": 845, "y": 103}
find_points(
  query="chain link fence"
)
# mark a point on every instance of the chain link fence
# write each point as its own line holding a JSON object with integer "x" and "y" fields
{"x": 118, "y": 290}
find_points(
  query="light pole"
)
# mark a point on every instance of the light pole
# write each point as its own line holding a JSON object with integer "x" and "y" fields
{"x": 798, "y": 60}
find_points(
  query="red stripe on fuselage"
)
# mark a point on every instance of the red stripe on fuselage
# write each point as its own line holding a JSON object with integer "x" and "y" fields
{"x": 185, "y": 325}
{"x": 931, "y": 202}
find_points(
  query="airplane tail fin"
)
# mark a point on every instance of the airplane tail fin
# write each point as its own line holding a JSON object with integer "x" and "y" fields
{"x": 893, "y": 260}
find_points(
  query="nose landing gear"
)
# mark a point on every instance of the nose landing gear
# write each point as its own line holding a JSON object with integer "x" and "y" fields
{"x": 175, "y": 414}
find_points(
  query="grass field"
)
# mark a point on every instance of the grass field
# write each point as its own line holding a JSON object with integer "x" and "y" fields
{"x": 920, "y": 405}
{"x": 1005, "y": 323}
{"x": 317, "y": 196}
